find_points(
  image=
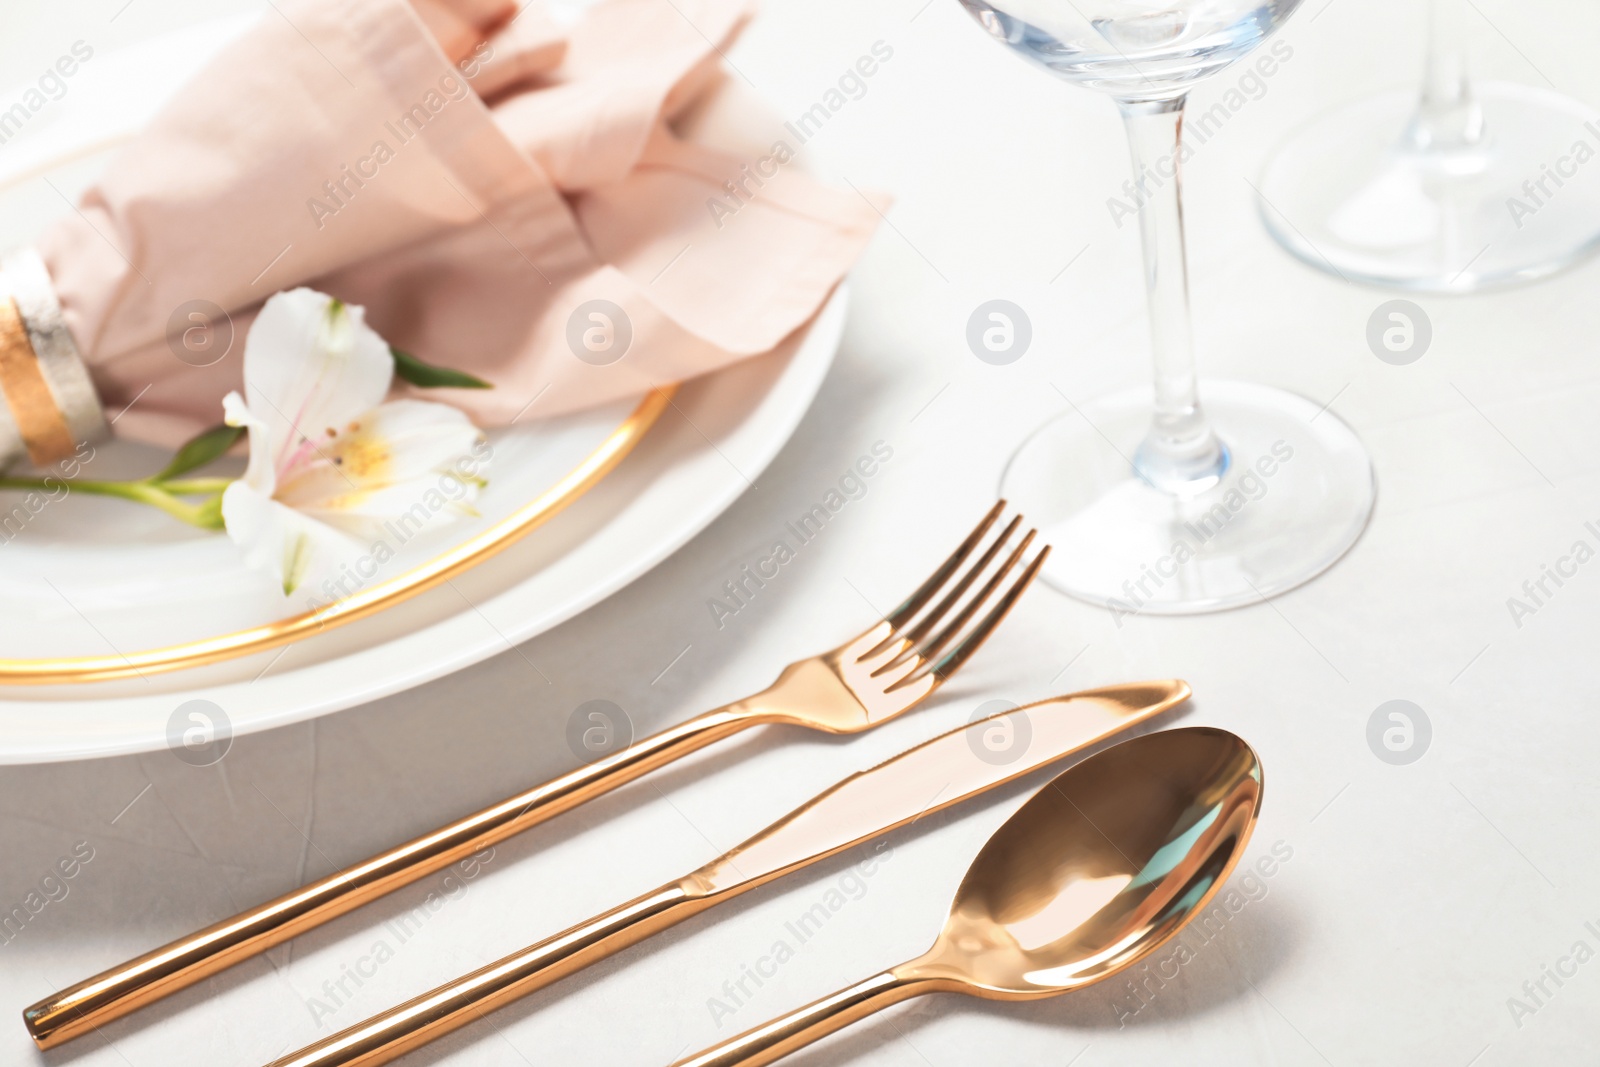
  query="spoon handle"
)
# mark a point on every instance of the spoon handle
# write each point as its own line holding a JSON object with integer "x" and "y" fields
{"x": 799, "y": 1028}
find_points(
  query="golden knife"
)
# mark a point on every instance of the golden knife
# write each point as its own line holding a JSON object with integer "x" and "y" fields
{"x": 930, "y": 777}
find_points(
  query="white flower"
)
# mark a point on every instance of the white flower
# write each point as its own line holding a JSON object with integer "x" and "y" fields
{"x": 330, "y": 463}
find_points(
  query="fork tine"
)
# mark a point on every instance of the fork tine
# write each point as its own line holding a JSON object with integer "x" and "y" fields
{"x": 925, "y": 625}
{"x": 929, "y": 649}
{"x": 925, "y": 592}
{"x": 922, "y": 648}
{"x": 974, "y": 640}
{"x": 896, "y": 672}
{"x": 980, "y": 633}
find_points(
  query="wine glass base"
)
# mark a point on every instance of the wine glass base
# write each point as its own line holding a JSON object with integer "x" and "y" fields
{"x": 1350, "y": 196}
{"x": 1296, "y": 496}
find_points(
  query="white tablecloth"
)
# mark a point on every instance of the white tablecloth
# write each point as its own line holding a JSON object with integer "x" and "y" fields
{"x": 1414, "y": 908}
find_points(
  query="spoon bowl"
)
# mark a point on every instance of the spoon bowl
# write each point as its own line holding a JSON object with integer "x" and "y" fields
{"x": 1100, "y": 867}
{"x": 1095, "y": 872}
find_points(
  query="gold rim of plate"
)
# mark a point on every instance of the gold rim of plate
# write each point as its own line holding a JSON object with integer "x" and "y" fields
{"x": 503, "y": 534}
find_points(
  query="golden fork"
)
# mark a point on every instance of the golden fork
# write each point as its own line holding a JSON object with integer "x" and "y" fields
{"x": 885, "y": 671}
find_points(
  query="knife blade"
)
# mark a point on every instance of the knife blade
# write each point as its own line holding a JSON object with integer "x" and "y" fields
{"x": 934, "y": 775}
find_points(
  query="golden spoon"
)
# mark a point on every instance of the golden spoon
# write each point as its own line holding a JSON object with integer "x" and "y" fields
{"x": 1094, "y": 873}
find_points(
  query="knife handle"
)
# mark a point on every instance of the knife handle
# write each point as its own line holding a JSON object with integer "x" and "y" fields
{"x": 125, "y": 988}
{"x": 422, "y": 1019}
{"x": 456, "y": 1003}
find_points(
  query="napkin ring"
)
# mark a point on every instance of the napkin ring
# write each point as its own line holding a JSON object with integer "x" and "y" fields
{"x": 50, "y": 403}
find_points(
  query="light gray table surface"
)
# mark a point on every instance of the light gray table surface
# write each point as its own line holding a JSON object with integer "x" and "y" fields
{"x": 1415, "y": 901}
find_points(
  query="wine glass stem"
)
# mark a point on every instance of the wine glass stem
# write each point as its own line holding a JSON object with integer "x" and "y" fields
{"x": 1180, "y": 454}
{"x": 1448, "y": 115}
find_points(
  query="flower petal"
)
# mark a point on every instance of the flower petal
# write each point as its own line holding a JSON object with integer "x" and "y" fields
{"x": 295, "y": 549}
{"x": 311, "y": 365}
{"x": 259, "y": 474}
{"x": 396, "y": 458}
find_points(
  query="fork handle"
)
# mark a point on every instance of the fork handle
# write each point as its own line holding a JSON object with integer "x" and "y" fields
{"x": 120, "y": 990}
{"x": 422, "y": 1019}
{"x": 799, "y": 1028}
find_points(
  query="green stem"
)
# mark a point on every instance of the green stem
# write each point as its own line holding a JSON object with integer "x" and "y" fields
{"x": 195, "y": 486}
{"x": 207, "y": 514}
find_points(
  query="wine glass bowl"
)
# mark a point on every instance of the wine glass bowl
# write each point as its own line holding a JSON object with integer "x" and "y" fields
{"x": 1149, "y": 50}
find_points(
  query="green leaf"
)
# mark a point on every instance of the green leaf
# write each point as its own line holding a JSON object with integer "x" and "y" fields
{"x": 200, "y": 450}
{"x": 427, "y": 376}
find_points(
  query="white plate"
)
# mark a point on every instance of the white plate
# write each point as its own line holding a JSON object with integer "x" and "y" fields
{"x": 86, "y": 576}
{"x": 721, "y": 432}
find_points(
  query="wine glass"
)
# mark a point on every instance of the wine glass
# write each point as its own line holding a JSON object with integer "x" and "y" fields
{"x": 1153, "y": 503}
{"x": 1460, "y": 188}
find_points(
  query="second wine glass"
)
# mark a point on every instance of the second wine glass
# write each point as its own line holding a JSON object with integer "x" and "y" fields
{"x": 1459, "y": 187}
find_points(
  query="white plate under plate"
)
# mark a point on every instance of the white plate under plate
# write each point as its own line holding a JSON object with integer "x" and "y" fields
{"x": 721, "y": 432}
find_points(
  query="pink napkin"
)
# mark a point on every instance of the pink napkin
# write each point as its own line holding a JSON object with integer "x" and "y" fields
{"x": 482, "y": 187}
